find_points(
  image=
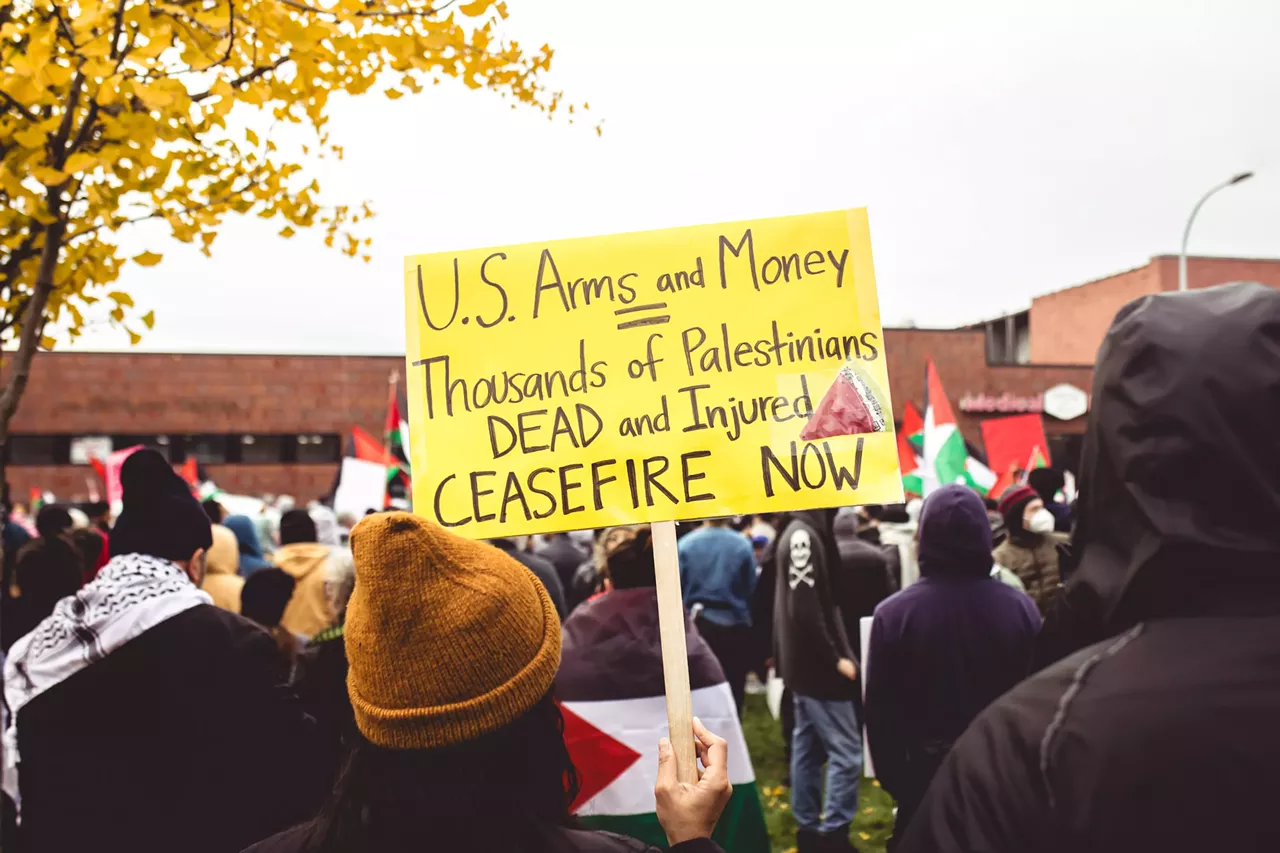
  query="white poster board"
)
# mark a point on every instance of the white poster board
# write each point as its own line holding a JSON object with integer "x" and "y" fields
{"x": 864, "y": 629}
{"x": 362, "y": 487}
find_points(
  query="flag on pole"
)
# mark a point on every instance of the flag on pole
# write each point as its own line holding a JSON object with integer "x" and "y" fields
{"x": 191, "y": 473}
{"x": 913, "y": 426}
{"x": 978, "y": 477}
{"x": 1035, "y": 460}
{"x": 944, "y": 452}
{"x": 395, "y": 434}
{"x": 370, "y": 449}
{"x": 908, "y": 457}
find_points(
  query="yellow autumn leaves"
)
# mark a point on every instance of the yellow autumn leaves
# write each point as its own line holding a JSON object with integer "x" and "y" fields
{"x": 114, "y": 112}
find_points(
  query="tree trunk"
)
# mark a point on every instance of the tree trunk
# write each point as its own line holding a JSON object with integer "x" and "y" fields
{"x": 32, "y": 329}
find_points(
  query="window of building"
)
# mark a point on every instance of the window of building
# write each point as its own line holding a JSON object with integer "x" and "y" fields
{"x": 207, "y": 449}
{"x": 38, "y": 449}
{"x": 262, "y": 449}
{"x": 161, "y": 443}
{"x": 312, "y": 449}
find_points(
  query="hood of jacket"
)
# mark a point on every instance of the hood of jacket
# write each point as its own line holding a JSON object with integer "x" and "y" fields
{"x": 1180, "y": 475}
{"x": 246, "y": 535}
{"x": 301, "y": 558}
{"x": 224, "y": 554}
{"x": 955, "y": 534}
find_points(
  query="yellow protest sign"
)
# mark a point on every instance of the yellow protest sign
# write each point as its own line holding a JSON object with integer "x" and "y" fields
{"x": 676, "y": 374}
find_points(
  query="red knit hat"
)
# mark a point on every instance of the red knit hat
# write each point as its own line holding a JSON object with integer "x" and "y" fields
{"x": 1014, "y": 496}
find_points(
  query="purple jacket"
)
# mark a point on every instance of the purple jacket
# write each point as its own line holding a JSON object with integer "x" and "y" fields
{"x": 945, "y": 647}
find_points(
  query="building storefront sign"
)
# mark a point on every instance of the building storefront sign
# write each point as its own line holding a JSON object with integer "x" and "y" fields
{"x": 1064, "y": 402}
{"x": 1005, "y": 403}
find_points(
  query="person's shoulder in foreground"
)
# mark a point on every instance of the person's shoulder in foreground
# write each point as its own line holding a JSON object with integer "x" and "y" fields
{"x": 300, "y": 840}
{"x": 1161, "y": 736}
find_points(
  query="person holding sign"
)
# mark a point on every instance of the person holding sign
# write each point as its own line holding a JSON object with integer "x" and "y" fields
{"x": 453, "y": 648}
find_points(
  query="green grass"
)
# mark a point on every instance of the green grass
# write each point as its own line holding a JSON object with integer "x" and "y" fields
{"x": 871, "y": 828}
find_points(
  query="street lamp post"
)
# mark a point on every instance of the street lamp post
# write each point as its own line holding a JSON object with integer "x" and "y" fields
{"x": 1186, "y": 232}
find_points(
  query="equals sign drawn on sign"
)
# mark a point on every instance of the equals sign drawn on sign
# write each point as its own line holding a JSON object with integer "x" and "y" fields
{"x": 643, "y": 321}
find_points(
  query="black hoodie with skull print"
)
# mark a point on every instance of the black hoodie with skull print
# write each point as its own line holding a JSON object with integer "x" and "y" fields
{"x": 809, "y": 635}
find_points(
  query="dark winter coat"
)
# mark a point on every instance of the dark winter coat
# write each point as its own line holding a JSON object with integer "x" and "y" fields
{"x": 320, "y": 681}
{"x": 943, "y": 648}
{"x": 864, "y": 577}
{"x": 540, "y": 567}
{"x": 809, "y": 632}
{"x": 563, "y": 553}
{"x": 556, "y": 840}
{"x": 1163, "y": 735}
{"x": 180, "y": 739}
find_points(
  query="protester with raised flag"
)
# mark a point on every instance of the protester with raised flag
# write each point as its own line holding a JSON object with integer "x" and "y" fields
{"x": 185, "y": 713}
{"x": 942, "y": 649}
{"x": 1030, "y": 549}
{"x": 1126, "y": 744}
{"x": 1048, "y": 483}
{"x": 611, "y": 685}
{"x": 717, "y": 578}
{"x": 453, "y": 650}
{"x": 816, "y": 661}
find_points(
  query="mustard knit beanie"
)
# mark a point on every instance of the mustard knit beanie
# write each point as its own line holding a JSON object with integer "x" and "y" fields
{"x": 447, "y": 639}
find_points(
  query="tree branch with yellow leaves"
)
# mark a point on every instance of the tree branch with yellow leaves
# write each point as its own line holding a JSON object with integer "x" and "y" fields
{"x": 115, "y": 112}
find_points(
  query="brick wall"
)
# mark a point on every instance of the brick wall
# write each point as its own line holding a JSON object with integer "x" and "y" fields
{"x": 1068, "y": 326}
{"x": 141, "y": 393}
{"x": 960, "y": 358}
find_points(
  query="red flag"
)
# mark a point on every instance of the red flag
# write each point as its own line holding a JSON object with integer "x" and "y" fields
{"x": 1011, "y": 440}
{"x": 99, "y": 468}
{"x": 370, "y": 449}
{"x": 191, "y": 472}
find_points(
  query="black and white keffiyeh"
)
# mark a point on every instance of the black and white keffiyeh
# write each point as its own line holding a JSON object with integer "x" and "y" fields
{"x": 130, "y": 595}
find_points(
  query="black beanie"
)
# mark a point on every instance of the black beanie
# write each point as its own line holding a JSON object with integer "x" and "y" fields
{"x": 296, "y": 525}
{"x": 160, "y": 517}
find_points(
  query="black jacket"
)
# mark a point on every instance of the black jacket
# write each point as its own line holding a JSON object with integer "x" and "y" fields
{"x": 1163, "y": 735}
{"x": 563, "y": 553}
{"x": 178, "y": 740}
{"x": 809, "y": 634}
{"x": 540, "y": 567}
{"x": 557, "y": 840}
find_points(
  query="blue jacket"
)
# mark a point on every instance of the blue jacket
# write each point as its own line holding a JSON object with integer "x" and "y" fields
{"x": 718, "y": 571}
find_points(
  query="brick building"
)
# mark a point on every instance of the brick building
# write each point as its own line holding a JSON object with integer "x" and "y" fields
{"x": 263, "y": 423}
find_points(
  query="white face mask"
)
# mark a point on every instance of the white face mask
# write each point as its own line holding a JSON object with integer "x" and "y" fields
{"x": 1041, "y": 521}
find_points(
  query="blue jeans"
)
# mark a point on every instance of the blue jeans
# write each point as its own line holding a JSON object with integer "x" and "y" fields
{"x": 825, "y": 729}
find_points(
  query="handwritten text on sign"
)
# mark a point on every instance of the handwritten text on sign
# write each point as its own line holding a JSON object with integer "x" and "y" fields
{"x": 685, "y": 373}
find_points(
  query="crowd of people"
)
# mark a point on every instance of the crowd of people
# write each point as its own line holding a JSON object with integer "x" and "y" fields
{"x": 1041, "y": 674}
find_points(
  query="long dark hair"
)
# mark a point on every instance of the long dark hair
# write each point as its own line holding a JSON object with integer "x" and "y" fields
{"x": 501, "y": 791}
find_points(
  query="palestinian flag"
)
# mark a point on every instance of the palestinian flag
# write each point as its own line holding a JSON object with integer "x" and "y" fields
{"x": 396, "y": 436}
{"x": 611, "y": 692}
{"x": 978, "y": 477}
{"x": 1036, "y": 460}
{"x": 909, "y": 436}
{"x": 945, "y": 455}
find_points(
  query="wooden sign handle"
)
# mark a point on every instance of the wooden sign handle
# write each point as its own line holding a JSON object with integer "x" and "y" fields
{"x": 675, "y": 658}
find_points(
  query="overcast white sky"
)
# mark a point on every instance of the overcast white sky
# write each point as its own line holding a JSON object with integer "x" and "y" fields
{"x": 1004, "y": 149}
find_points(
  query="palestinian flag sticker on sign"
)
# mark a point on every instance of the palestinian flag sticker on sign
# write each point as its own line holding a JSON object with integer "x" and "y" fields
{"x": 851, "y": 406}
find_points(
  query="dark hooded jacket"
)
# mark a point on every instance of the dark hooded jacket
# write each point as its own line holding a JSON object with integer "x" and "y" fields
{"x": 1134, "y": 742}
{"x": 809, "y": 633}
{"x": 943, "y": 648}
